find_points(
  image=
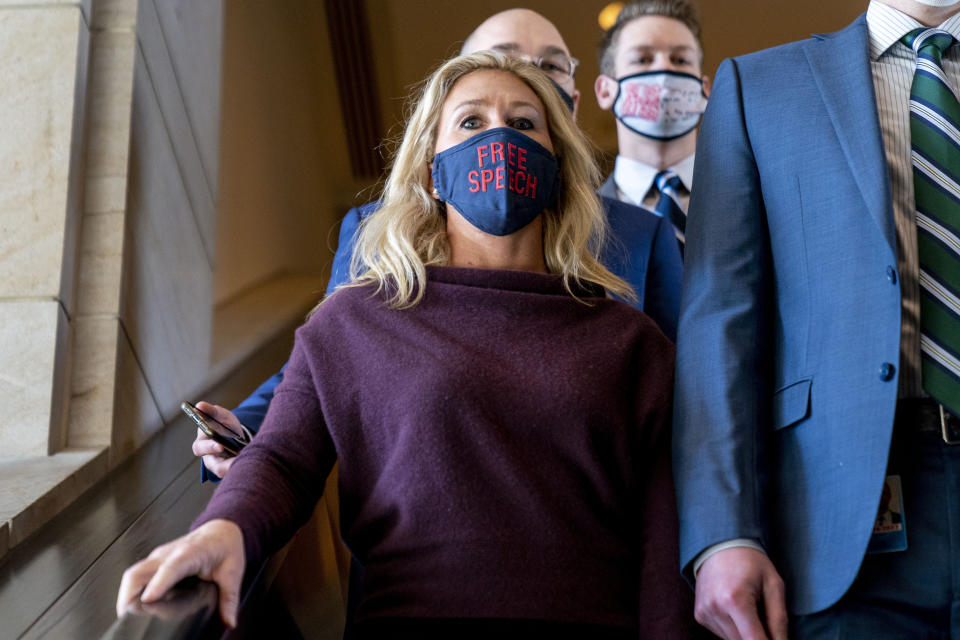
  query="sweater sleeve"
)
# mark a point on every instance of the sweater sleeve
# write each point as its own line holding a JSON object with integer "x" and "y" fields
{"x": 277, "y": 479}
{"x": 665, "y": 601}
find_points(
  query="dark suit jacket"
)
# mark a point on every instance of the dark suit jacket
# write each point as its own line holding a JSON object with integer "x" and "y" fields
{"x": 789, "y": 344}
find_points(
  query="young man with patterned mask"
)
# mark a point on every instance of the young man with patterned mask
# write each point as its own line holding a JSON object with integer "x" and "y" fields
{"x": 651, "y": 78}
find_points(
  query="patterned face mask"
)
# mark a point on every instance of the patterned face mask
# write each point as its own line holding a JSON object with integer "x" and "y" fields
{"x": 662, "y": 105}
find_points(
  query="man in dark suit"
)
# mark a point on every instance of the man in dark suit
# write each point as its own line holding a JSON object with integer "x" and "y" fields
{"x": 807, "y": 373}
{"x": 641, "y": 249}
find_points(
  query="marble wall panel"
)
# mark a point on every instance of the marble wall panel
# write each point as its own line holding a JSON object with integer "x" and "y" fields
{"x": 75, "y": 177}
{"x": 32, "y": 335}
{"x": 166, "y": 299}
{"x": 136, "y": 415}
{"x": 193, "y": 32}
{"x": 101, "y": 264}
{"x": 114, "y": 14}
{"x": 83, "y": 5}
{"x": 4, "y": 538}
{"x": 161, "y": 72}
{"x": 108, "y": 125}
{"x": 92, "y": 385}
{"x": 110, "y": 399}
{"x": 43, "y": 55}
{"x": 39, "y": 488}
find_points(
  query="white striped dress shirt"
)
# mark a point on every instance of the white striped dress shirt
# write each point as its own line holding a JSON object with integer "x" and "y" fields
{"x": 893, "y": 64}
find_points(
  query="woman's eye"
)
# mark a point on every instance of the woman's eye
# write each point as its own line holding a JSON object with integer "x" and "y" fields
{"x": 522, "y": 124}
{"x": 471, "y": 122}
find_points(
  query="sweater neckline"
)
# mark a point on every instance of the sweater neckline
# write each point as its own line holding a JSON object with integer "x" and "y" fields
{"x": 508, "y": 280}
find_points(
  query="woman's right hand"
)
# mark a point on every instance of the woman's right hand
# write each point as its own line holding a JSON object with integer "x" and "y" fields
{"x": 216, "y": 459}
{"x": 212, "y": 551}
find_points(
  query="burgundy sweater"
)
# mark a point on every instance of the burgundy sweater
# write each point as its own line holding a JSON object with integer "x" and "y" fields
{"x": 503, "y": 453}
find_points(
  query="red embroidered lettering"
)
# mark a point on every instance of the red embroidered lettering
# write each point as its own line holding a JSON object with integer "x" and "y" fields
{"x": 515, "y": 177}
{"x": 521, "y": 158}
{"x": 511, "y": 153}
{"x": 486, "y": 177}
{"x": 496, "y": 149}
{"x": 481, "y": 155}
{"x": 531, "y": 191}
{"x": 500, "y": 171}
{"x": 472, "y": 177}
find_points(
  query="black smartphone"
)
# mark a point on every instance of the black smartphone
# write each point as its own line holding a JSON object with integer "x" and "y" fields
{"x": 231, "y": 439}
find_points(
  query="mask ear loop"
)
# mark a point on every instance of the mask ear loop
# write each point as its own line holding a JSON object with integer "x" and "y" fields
{"x": 441, "y": 205}
{"x": 433, "y": 191}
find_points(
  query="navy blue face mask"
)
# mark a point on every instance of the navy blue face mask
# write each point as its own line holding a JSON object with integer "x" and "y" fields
{"x": 566, "y": 97}
{"x": 499, "y": 180}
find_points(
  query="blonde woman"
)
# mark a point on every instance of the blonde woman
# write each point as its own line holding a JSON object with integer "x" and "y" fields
{"x": 500, "y": 423}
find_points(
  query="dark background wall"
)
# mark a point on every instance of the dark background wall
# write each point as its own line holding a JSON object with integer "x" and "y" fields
{"x": 285, "y": 177}
{"x": 413, "y": 36}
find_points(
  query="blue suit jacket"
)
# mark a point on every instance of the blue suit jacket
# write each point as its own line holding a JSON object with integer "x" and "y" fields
{"x": 789, "y": 342}
{"x": 641, "y": 250}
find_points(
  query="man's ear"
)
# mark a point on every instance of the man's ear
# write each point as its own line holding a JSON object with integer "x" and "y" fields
{"x": 706, "y": 85}
{"x": 576, "y": 104}
{"x": 606, "y": 89}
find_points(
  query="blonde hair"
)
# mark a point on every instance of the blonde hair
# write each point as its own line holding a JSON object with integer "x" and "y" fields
{"x": 408, "y": 232}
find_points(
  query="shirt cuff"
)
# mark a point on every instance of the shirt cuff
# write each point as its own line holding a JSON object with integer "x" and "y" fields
{"x": 750, "y": 543}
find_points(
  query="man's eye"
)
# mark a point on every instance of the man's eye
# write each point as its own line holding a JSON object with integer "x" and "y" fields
{"x": 549, "y": 67}
{"x": 681, "y": 61}
{"x": 642, "y": 60}
{"x": 522, "y": 124}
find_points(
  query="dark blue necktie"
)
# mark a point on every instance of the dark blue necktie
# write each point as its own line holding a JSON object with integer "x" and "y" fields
{"x": 668, "y": 184}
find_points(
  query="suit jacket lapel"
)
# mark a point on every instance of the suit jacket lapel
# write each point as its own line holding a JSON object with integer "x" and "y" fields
{"x": 608, "y": 188}
{"x": 841, "y": 67}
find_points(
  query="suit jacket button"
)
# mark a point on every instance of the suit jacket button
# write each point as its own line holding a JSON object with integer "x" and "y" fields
{"x": 892, "y": 275}
{"x": 886, "y": 371}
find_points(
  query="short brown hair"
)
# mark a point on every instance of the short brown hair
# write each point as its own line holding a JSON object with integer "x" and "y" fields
{"x": 686, "y": 11}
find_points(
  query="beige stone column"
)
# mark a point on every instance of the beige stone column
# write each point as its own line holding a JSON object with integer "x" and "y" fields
{"x": 109, "y": 130}
{"x": 44, "y": 49}
{"x": 65, "y": 121}
{"x": 98, "y": 333}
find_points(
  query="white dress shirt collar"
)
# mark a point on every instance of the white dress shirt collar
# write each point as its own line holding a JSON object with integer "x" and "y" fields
{"x": 887, "y": 25}
{"x": 634, "y": 179}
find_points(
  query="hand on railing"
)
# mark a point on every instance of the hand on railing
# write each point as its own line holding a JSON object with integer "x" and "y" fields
{"x": 213, "y": 551}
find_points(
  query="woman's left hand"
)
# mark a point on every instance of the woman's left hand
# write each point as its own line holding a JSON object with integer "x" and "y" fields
{"x": 213, "y": 551}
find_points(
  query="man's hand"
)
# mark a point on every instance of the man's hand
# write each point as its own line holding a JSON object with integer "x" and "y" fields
{"x": 215, "y": 458}
{"x": 213, "y": 552}
{"x": 734, "y": 588}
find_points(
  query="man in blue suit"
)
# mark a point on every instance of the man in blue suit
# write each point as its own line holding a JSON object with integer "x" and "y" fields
{"x": 641, "y": 250}
{"x": 802, "y": 389}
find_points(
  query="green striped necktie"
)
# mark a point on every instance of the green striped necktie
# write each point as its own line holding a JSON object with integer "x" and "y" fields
{"x": 935, "y": 136}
